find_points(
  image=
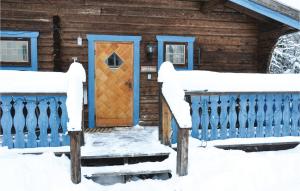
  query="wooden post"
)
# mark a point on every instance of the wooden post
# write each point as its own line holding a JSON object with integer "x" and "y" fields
{"x": 75, "y": 156}
{"x": 182, "y": 151}
{"x": 165, "y": 116}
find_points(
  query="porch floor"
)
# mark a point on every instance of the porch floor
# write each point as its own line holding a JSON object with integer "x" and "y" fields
{"x": 123, "y": 142}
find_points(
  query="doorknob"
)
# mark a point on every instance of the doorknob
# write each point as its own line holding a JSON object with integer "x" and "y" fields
{"x": 129, "y": 84}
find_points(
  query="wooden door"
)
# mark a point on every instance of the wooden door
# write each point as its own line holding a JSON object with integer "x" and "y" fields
{"x": 114, "y": 84}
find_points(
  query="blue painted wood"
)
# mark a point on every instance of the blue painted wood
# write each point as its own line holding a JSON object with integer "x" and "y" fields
{"x": 243, "y": 115}
{"x": 269, "y": 115}
{"x": 43, "y": 122}
{"x": 251, "y": 116}
{"x": 19, "y": 122}
{"x": 286, "y": 128}
{"x": 224, "y": 118}
{"x": 204, "y": 118}
{"x": 92, "y": 38}
{"x": 53, "y": 122}
{"x": 174, "y": 130}
{"x": 232, "y": 116}
{"x": 63, "y": 121}
{"x": 33, "y": 48}
{"x": 160, "y": 50}
{"x": 6, "y": 121}
{"x": 31, "y": 121}
{"x": 295, "y": 125}
{"x": 214, "y": 117}
{"x": 277, "y": 115}
{"x": 268, "y": 12}
{"x": 260, "y": 116}
{"x": 195, "y": 116}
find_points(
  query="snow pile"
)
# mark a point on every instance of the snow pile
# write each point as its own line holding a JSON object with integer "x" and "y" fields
{"x": 238, "y": 82}
{"x": 75, "y": 76}
{"x": 209, "y": 169}
{"x": 174, "y": 95}
{"x": 50, "y": 82}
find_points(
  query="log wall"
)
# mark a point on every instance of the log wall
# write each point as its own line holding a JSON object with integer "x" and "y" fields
{"x": 227, "y": 39}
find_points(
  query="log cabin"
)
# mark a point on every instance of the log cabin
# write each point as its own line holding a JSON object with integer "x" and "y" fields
{"x": 121, "y": 44}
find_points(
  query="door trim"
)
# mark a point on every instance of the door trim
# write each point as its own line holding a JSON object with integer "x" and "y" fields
{"x": 92, "y": 38}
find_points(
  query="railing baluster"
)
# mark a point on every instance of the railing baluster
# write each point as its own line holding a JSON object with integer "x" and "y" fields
{"x": 251, "y": 116}
{"x": 6, "y": 121}
{"x": 260, "y": 115}
{"x": 31, "y": 121}
{"x": 286, "y": 128}
{"x": 295, "y": 115}
{"x": 195, "y": 116}
{"x": 64, "y": 120}
{"x": 53, "y": 118}
{"x": 214, "y": 117}
{"x": 224, "y": 116}
{"x": 19, "y": 121}
{"x": 277, "y": 115}
{"x": 243, "y": 116}
{"x": 204, "y": 118}
{"x": 269, "y": 115}
{"x": 232, "y": 116}
{"x": 43, "y": 122}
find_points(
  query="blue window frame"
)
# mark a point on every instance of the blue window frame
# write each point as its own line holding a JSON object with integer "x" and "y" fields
{"x": 176, "y": 39}
{"x": 91, "y": 71}
{"x": 32, "y": 39}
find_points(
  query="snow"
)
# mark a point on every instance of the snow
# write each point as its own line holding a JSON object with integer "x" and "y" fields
{"x": 50, "y": 82}
{"x": 210, "y": 169}
{"x": 291, "y": 3}
{"x": 238, "y": 82}
{"x": 174, "y": 95}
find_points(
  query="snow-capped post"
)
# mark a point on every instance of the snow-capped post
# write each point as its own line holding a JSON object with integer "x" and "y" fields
{"x": 172, "y": 103}
{"x": 76, "y": 77}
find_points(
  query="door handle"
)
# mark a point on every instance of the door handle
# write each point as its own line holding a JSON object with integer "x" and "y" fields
{"x": 129, "y": 84}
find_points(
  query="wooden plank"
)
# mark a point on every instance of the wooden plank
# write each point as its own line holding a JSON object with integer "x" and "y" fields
{"x": 53, "y": 122}
{"x": 232, "y": 116}
{"x": 165, "y": 129}
{"x": 243, "y": 115}
{"x": 251, "y": 115}
{"x": 277, "y": 115}
{"x": 204, "y": 118}
{"x": 260, "y": 115}
{"x": 31, "y": 121}
{"x": 75, "y": 156}
{"x": 64, "y": 120}
{"x": 43, "y": 121}
{"x": 195, "y": 116}
{"x": 286, "y": 115}
{"x": 295, "y": 115}
{"x": 214, "y": 117}
{"x": 269, "y": 115}
{"x": 182, "y": 151}
{"x": 6, "y": 121}
{"x": 224, "y": 118}
{"x": 132, "y": 173}
{"x": 19, "y": 121}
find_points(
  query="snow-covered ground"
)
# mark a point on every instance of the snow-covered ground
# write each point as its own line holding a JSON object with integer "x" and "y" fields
{"x": 209, "y": 169}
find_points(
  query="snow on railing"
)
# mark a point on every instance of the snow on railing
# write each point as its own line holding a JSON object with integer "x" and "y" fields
{"x": 32, "y": 82}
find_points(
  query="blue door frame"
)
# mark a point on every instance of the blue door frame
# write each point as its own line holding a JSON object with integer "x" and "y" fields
{"x": 92, "y": 38}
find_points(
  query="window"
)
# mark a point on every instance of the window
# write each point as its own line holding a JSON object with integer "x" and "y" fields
{"x": 114, "y": 61}
{"x": 177, "y": 49}
{"x": 15, "y": 52}
{"x": 18, "y": 50}
{"x": 176, "y": 53}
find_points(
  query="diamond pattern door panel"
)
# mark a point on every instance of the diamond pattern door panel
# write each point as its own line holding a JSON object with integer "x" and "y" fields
{"x": 114, "y": 84}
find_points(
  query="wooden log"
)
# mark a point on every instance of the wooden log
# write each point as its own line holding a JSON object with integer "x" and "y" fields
{"x": 75, "y": 156}
{"x": 182, "y": 151}
{"x": 164, "y": 120}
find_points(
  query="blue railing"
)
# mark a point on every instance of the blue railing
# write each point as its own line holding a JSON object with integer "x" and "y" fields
{"x": 33, "y": 121}
{"x": 243, "y": 115}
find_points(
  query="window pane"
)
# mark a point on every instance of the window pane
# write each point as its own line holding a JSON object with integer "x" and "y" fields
{"x": 14, "y": 51}
{"x": 175, "y": 53}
